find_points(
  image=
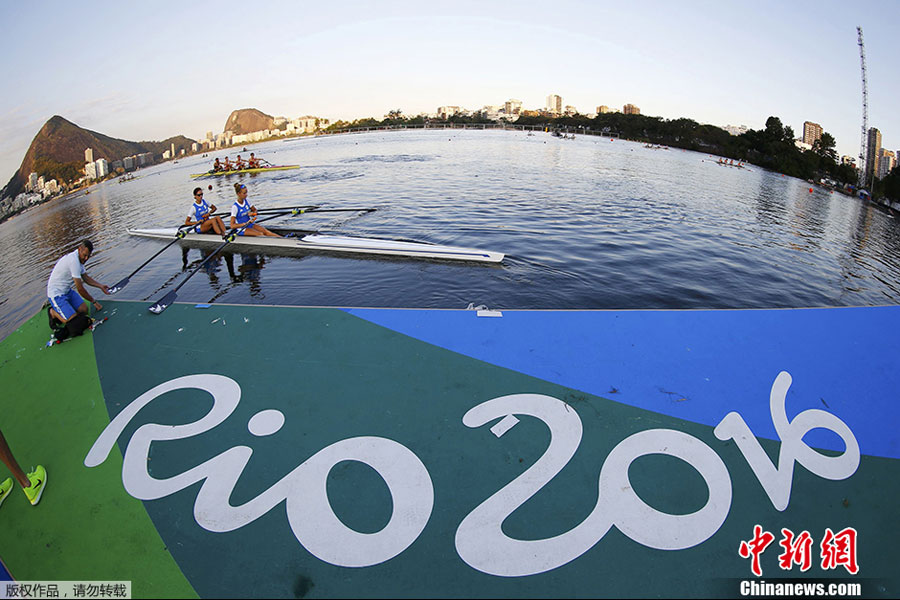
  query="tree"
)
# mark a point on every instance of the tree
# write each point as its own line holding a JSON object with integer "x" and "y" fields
{"x": 824, "y": 147}
{"x": 774, "y": 128}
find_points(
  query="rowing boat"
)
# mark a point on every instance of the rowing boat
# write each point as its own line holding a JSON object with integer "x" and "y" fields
{"x": 239, "y": 171}
{"x": 302, "y": 241}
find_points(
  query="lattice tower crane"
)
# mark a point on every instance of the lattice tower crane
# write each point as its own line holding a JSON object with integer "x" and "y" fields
{"x": 864, "y": 145}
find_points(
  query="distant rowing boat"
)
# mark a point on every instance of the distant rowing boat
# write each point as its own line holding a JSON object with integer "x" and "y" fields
{"x": 305, "y": 241}
{"x": 238, "y": 171}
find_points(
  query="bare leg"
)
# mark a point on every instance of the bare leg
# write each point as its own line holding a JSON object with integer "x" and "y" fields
{"x": 10, "y": 461}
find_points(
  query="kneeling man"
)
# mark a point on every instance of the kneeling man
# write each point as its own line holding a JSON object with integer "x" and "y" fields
{"x": 65, "y": 289}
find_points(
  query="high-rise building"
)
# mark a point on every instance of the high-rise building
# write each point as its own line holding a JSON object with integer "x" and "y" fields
{"x": 886, "y": 162}
{"x": 811, "y": 132}
{"x": 554, "y": 104}
{"x": 602, "y": 109}
{"x": 102, "y": 168}
{"x": 89, "y": 155}
{"x": 631, "y": 109}
{"x": 32, "y": 181}
{"x": 90, "y": 170}
{"x": 873, "y": 149}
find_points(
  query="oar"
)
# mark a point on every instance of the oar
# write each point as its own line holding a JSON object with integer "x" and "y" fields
{"x": 294, "y": 210}
{"x": 169, "y": 298}
{"x": 178, "y": 235}
{"x": 317, "y": 209}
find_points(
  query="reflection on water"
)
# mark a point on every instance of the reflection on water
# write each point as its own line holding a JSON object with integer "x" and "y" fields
{"x": 589, "y": 223}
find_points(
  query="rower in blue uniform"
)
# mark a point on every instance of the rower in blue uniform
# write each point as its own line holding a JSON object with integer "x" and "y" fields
{"x": 242, "y": 213}
{"x": 200, "y": 215}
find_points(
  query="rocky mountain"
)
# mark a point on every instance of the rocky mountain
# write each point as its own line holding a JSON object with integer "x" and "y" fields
{"x": 247, "y": 120}
{"x": 58, "y": 151}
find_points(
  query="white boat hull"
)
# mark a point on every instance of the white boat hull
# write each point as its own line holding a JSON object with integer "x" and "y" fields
{"x": 331, "y": 243}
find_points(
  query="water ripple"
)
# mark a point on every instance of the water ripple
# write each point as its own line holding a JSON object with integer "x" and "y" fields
{"x": 585, "y": 224}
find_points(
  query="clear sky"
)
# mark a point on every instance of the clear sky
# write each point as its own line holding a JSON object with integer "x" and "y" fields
{"x": 148, "y": 71}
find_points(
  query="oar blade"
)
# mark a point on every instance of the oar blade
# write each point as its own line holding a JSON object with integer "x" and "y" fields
{"x": 163, "y": 303}
{"x": 115, "y": 288}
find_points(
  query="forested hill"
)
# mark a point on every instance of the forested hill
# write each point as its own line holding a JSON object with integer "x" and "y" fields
{"x": 57, "y": 152}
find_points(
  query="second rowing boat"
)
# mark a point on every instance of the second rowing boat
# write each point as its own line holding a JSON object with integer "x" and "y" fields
{"x": 239, "y": 171}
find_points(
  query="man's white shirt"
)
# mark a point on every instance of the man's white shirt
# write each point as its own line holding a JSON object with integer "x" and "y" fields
{"x": 61, "y": 278}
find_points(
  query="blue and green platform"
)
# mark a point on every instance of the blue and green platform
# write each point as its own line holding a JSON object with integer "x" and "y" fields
{"x": 230, "y": 451}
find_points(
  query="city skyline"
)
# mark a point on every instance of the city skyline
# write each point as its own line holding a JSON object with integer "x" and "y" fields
{"x": 723, "y": 65}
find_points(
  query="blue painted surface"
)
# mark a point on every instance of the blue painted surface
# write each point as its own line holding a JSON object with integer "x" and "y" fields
{"x": 696, "y": 365}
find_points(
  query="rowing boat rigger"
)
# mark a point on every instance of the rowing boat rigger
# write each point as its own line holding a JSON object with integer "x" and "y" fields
{"x": 240, "y": 171}
{"x": 306, "y": 241}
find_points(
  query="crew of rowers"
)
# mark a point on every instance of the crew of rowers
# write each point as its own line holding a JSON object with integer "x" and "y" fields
{"x": 243, "y": 215}
{"x": 730, "y": 163}
{"x": 238, "y": 164}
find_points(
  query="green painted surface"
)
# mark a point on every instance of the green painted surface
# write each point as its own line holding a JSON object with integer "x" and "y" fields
{"x": 86, "y": 526}
{"x": 334, "y": 377}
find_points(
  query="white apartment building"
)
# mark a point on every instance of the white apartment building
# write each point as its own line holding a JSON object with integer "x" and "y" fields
{"x": 306, "y": 124}
{"x": 554, "y": 104}
{"x": 886, "y": 162}
{"x": 89, "y": 155}
{"x": 90, "y": 170}
{"x": 102, "y": 168}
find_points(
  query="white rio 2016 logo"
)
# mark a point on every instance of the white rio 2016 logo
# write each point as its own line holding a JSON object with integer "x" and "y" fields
{"x": 480, "y": 540}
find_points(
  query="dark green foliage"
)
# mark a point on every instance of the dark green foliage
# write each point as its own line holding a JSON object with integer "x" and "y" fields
{"x": 772, "y": 148}
{"x": 62, "y": 172}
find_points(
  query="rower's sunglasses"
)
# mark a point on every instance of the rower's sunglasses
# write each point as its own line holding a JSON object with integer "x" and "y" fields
{"x": 200, "y": 195}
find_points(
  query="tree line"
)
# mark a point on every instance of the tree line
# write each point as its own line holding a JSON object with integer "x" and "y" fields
{"x": 772, "y": 148}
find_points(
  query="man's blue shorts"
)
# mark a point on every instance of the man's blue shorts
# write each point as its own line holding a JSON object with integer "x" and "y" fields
{"x": 67, "y": 304}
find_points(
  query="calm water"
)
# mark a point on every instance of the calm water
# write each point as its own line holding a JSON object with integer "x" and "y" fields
{"x": 585, "y": 223}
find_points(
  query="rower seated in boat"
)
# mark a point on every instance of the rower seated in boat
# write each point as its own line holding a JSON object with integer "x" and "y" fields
{"x": 242, "y": 213}
{"x": 200, "y": 215}
{"x": 227, "y": 166}
{"x": 253, "y": 162}
{"x": 239, "y": 163}
{"x": 217, "y": 166}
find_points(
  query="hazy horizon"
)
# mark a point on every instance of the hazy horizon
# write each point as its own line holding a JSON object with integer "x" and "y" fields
{"x": 187, "y": 66}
